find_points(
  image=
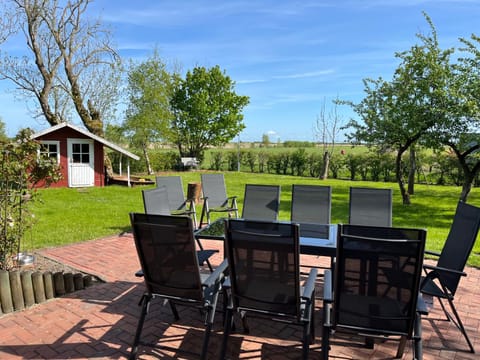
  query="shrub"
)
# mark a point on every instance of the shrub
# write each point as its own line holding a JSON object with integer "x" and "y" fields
{"x": 21, "y": 171}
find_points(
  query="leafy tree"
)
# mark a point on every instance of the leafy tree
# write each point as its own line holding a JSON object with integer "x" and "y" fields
{"x": 207, "y": 111}
{"x": 461, "y": 133}
{"x": 397, "y": 114}
{"x": 3, "y": 133}
{"x": 70, "y": 66}
{"x": 265, "y": 140}
{"x": 148, "y": 114}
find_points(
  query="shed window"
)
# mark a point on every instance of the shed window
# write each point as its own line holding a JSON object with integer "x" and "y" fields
{"x": 50, "y": 150}
{"x": 81, "y": 153}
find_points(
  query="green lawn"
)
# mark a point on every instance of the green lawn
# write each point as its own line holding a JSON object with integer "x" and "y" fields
{"x": 64, "y": 216}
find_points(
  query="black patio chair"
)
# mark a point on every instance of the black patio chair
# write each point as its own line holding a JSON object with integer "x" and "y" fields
{"x": 177, "y": 202}
{"x": 375, "y": 290}
{"x": 263, "y": 259}
{"x": 261, "y": 202}
{"x": 370, "y": 206}
{"x": 441, "y": 281}
{"x": 155, "y": 202}
{"x": 166, "y": 249}
{"x": 311, "y": 204}
{"x": 215, "y": 197}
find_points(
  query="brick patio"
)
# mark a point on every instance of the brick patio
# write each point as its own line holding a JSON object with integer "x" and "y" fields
{"x": 99, "y": 322}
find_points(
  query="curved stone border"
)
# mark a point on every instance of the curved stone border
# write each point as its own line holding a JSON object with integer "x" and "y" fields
{"x": 22, "y": 289}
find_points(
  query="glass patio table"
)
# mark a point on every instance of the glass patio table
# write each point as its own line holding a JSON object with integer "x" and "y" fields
{"x": 315, "y": 239}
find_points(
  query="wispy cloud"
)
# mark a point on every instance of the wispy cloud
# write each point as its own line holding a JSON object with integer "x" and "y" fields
{"x": 251, "y": 81}
{"x": 306, "y": 74}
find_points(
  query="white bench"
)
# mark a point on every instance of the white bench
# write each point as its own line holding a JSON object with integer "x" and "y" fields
{"x": 189, "y": 162}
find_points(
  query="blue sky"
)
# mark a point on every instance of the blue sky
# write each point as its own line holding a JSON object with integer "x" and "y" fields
{"x": 289, "y": 57}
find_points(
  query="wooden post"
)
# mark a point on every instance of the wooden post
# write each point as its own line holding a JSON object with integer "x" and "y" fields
{"x": 87, "y": 281}
{"x": 194, "y": 191}
{"x": 27, "y": 286}
{"x": 49, "y": 288}
{"x": 78, "y": 281}
{"x": 59, "y": 283}
{"x": 69, "y": 285}
{"x": 5, "y": 292}
{"x": 38, "y": 287}
{"x": 16, "y": 287}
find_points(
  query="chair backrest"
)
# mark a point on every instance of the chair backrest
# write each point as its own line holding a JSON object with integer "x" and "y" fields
{"x": 166, "y": 249}
{"x": 263, "y": 260}
{"x": 213, "y": 188}
{"x": 311, "y": 204}
{"x": 155, "y": 201}
{"x": 459, "y": 243}
{"x": 377, "y": 278}
{"x": 261, "y": 202}
{"x": 370, "y": 206}
{"x": 176, "y": 196}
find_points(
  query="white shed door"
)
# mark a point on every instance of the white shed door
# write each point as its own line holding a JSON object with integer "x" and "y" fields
{"x": 80, "y": 163}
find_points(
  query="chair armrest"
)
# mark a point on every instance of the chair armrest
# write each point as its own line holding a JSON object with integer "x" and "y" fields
{"x": 430, "y": 252}
{"x": 216, "y": 276}
{"x": 441, "y": 269}
{"x": 421, "y": 305}
{"x": 309, "y": 286}
{"x": 327, "y": 286}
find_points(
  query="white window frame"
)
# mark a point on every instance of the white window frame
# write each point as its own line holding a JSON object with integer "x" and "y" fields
{"x": 50, "y": 142}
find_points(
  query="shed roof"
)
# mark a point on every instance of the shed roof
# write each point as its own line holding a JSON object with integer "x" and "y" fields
{"x": 88, "y": 134}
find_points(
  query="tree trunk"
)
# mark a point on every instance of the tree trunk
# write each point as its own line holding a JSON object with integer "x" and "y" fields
{"x": 467, "y": 186}
{"x": 412, "y": 170}
{"x": 326, "y": 165}
{"x": 399, "y": 175}
{"x": 147, "y": 160}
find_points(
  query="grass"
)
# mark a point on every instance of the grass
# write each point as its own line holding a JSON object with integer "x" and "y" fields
{"x": 65, "y": 215}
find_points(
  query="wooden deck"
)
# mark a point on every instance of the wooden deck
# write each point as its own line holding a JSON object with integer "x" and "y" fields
{"x": 123, "y": 180}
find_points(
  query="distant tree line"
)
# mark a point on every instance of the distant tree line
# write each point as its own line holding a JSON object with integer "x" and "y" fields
{"x": 439, "y": 168}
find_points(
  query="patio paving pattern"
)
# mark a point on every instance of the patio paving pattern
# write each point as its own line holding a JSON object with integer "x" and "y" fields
{"x": 99, "y": 322}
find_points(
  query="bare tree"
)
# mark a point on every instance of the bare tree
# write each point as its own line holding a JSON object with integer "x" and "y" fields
{"x": 326, "y": 130}
{"x": 70, "y": 66}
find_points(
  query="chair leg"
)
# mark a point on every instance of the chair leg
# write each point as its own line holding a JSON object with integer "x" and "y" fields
{"x": 312, "y": 321}
{"x": 326, "y": 330}
{"x": 203, "y": 214}
{"x": 246, "y": 328}
{"x": 459, "y": 324}
{"x": 417, "y": 338}
{"x": 174, "y": 310}
{"x": 306, "y": 340}
{"x": 325, "y": 342}
{"x": 206, "y": 338}
{"x": 401, "y": 347}
{"x": 145, "y": 301}
{"x": 226, "y": 331}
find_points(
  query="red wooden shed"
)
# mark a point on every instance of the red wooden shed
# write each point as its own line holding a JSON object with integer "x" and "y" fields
{"x": 79, "y": 153}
